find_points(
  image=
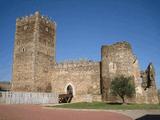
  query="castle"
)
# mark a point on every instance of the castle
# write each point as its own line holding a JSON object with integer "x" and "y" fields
{"x": 35, "y": 68}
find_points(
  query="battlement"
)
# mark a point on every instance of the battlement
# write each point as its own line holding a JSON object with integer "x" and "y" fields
{"x": 32, "y": 17}
{"x": 122, "y": 47}
{"x": 73, "y": 64}
{"x": 122, "y": 44}
{"x": 81, "y": 65}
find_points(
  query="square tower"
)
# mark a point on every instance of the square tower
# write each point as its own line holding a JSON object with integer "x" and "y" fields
{"x": 34, "y": 50}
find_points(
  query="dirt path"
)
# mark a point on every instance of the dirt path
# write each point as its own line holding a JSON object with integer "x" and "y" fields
{"x": 35, "y": 112}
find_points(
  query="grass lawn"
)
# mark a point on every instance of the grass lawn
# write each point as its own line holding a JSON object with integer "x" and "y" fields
{"x": 102, "y": 105}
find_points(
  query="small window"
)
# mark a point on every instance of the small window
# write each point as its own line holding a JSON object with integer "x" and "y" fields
{"x": 46, "y": 29}
{"x": 23, "y": 49}
{"x": 25, "y": 27}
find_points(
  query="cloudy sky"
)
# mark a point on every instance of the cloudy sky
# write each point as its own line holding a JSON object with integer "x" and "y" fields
{"x": 83, "y": 26}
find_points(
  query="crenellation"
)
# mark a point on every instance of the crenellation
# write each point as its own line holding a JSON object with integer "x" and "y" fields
{"x": 22, "y": 20}
{"x": 27, "y": 19}
{"x": 77, "y": 66}
{"x": 48, "y": 21}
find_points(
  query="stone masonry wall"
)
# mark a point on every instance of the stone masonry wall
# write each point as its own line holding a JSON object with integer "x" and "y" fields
{"x": 35, "y": 68}
{"x": 33, "y": 53}
{"x": 117, "y": 59}
{"x": 150, "y": 93}
{"x": 44, "y": 53}
{"x": 23, "y": 63}
{"x": 83, "y": 76}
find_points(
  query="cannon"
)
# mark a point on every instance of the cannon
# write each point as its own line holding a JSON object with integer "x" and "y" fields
{"x": 65, "y": 98}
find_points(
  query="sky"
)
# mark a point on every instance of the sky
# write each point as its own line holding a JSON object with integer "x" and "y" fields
{"x": 83, "y": 26}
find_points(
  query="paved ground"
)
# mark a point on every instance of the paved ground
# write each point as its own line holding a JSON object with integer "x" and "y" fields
{"x": 134, "y": 114}
{"x": 35, "y": 112}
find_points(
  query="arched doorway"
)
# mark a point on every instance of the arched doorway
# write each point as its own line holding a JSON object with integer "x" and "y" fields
{"x": 69, "y": 90}
{"x": 68, "y": 95}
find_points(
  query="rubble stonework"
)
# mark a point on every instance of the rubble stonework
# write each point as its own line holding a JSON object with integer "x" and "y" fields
{"x": 35, "y": 68}
{"x": 149, "y": 85}
{"x": 83, "y": 76}
{"x": 34, "y": 49}
{"x": 118, "y": 59}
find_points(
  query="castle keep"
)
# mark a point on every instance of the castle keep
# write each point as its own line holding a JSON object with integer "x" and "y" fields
{"x": 36, "y": 70}
{"x": 33, "y": 52}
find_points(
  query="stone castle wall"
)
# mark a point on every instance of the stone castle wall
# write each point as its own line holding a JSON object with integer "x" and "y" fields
{"x": 45, "y": 53}
{"x": 118, "y": 59}
{"x": 83, "y": 76}
{"x": 34, "y": 49}
{"x": 149, "y": 93}
{"x": 35, "y": 68}
{"x": 23, "y": 64}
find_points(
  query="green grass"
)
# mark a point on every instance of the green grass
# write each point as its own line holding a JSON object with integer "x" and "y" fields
{"x": 105, "y": 106}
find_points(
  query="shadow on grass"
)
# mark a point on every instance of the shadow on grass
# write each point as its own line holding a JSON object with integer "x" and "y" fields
{"x": 114, "y": 103}
{"x": 118, "y": 103}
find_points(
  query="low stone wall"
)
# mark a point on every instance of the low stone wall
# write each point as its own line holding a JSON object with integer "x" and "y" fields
{"x": 28, "y": 98}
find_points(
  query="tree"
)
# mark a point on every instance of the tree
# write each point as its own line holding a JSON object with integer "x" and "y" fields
{"x": 159, "y": 91}
{"x": 159, "y": 94}
{"x": 123, "y": 87}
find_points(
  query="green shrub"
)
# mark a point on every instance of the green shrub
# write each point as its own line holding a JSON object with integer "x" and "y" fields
{"x": 123, "y": 87}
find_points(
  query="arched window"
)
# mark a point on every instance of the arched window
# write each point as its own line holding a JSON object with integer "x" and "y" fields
{"x": 23, "y": 49}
